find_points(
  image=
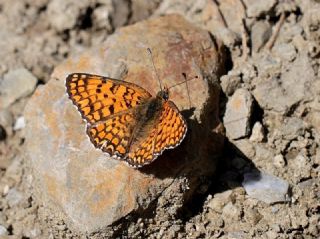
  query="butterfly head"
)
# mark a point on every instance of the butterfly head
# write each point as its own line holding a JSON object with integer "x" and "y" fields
{"x": 164, "y": 94}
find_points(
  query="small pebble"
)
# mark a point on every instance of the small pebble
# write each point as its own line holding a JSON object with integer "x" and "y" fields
{"x": 19, "y": 124}
{"x": 3, "y": 231}
{"x": 15, "y": 85}
{"x": 257, "y": 134}
{"x": 13, "y": 197}
{"x": 279, "y": 161}
{"x": 6, "y": 189}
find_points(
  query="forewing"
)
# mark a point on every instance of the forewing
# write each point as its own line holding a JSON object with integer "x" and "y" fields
{"x": 98, "y": 97}
{"x": 169, "y": 132}
{"x": 113, "y": 135}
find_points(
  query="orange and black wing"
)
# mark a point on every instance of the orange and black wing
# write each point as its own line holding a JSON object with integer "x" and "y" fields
{"x": 113, "y": 135}
{"x": 169, "y": 132}
{"x": 98, "y": 97}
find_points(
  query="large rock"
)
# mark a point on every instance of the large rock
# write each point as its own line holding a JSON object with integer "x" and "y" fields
{"x": 93, "y": 190}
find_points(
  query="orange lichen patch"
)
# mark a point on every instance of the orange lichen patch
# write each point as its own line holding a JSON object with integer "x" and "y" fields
{"x": 237, "y": 103}
{"x": 52, "y": 186}
{"x": 107, "y": 190}
{"x": 84, "y": 62}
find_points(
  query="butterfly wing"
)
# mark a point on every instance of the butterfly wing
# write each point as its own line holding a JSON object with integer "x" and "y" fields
{"x": 168, "y": 133}
{"x": 113, "y": 135}
{"x": 98, "y": 97}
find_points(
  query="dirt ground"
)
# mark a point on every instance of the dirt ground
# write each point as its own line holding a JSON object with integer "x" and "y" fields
{"x": 280, "y": 137}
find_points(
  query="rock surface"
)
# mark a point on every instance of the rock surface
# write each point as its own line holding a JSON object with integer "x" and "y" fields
{"x": 260, "y": 33}
{"x": 281, "y": 94}
{"x": 256, "y": 8}
{"x": 15, "y": 85}
{"x": 238, "y": 113}
{"x": 3, "y": 231}
{"x": 93, "y": 190}
{"x": 257, "y": 134}
{"x": 210, "y": 18}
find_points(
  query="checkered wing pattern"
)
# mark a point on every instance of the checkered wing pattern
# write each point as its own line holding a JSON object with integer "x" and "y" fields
{"x": 98, "y": 97}
{"x": 168, "y": 133}
{"x": 113, "y": 136}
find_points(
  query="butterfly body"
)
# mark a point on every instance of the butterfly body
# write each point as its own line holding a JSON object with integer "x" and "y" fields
{"x": 124, "y": 120}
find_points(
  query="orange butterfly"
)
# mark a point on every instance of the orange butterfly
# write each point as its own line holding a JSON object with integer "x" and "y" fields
{"x": 124, "y": 120}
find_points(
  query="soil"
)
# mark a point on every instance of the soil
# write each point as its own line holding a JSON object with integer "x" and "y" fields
{"x": 281, "y": 72}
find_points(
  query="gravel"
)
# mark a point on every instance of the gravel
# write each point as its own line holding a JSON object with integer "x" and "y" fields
{"x": 279, "y": 137}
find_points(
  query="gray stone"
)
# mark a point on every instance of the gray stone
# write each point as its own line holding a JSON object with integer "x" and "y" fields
{"x": 260, "y": 34}
{"x": 285, "y": 51}
{"x": 238, "y": 113}
{"x": 15, "y": 85}
{"x": 14, "y": 197}
{"x": 120, "y": 13}
{"x": 246, "y": 147}
{"x": 316, "y": 159}
{"x": 229, "y": 83}
{"x": 3, "y": 231}
{"x": 291, "y": 128}
{"x": 6, "y": 118}
{"x": 303, "y": 164}
{"x": 267, "y": 65}
{"x": 272, "y": 235}
{"x": 257, "y": 134}
{"x": 287, "y": 34}
{"x": 219, "y": 201}
{"x": 252, "y": 216}
{"x": 237, "y": 235}
{"x": 247, "y": 71}
{"x": 255, "y": 8}
{"x": 206, "y": 14}
{"x": 265, "y": 187}
{"x": 63, "y": 15}
{"x": 293, "y": 87}
{"x": 263, "y": 153}
{"x": 101, "y": 17}
{"x": 279, "y": 161}
{"x": 231, "y": 212}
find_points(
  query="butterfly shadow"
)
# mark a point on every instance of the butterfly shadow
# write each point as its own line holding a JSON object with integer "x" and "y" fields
{"x": 231, "y": 166}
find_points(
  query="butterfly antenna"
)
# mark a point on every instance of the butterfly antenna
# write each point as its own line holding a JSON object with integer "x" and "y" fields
{"x": 185, "y": 81}
{"x": 185, "y": 77}
{"x": 155, "y": 70}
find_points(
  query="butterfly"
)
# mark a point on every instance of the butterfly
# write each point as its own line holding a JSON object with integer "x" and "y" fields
{"x": 124, "y": 120}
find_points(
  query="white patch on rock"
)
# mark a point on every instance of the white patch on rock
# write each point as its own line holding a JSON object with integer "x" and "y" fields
{"x": 265, "y": 187}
